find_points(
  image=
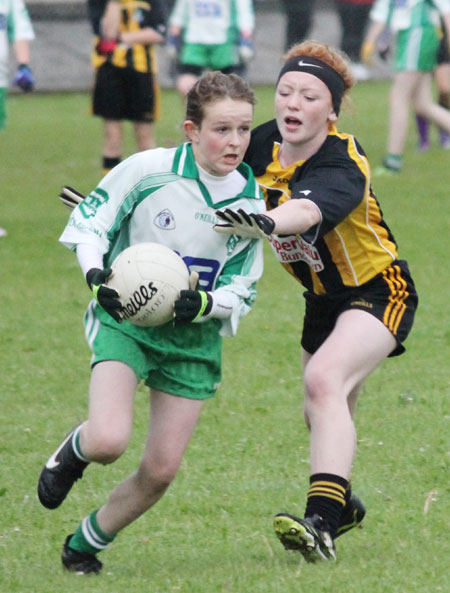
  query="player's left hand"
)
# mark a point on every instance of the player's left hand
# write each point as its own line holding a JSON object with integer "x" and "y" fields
{"x": 191, "y": 305}
{"x": 24, "y": 78}
{"x": 255, "y": 226}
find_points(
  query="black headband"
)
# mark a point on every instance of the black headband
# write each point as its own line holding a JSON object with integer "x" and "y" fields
{"x": 321, "y": 70}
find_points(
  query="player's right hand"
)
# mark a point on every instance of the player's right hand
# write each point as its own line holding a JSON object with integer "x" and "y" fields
{"x": 254, "y": 226}
{"x": 106, "y": 297}
{"x": 70, "y": 197}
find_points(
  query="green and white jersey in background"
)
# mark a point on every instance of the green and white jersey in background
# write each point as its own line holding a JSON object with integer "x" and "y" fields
{"x": 213, "y": 22}
{"x": 407, "y": 14}
{"x": 15, "y": 25}
{"x": 159, "y": 196}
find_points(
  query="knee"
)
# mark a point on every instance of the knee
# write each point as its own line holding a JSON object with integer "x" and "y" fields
{"x": 106, "y": 447}
{"x": 157, "y": 477}
{"x": 320, "y": 386}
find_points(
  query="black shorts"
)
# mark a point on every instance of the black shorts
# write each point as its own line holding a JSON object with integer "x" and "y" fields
{"x": 123, "y": 93}
{"x": 390, "y": 297}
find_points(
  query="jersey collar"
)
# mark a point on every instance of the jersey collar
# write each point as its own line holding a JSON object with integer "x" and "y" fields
{"x": 184, "y": 165}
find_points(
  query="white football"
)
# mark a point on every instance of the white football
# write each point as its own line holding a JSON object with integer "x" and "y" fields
{"x": 148, "y": 278}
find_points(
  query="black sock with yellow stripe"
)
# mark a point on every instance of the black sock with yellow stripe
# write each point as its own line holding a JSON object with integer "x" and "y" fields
{"x": 109, "y": 162}
{"x": 326, "y": 497}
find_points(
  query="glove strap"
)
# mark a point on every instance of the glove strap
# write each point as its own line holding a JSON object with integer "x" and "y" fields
{"x": 95, "y": 289}
{"x": 204, "y": 304}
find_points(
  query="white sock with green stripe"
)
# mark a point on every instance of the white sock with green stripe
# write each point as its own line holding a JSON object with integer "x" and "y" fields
{"x": 76, "y": 445}
{"x": 89, "y": 538}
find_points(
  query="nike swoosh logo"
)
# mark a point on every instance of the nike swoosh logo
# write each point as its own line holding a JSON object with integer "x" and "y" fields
{"x": 52, "y": 463}
{"x": 305, "y": 191}
{"x": 302, "y": 63}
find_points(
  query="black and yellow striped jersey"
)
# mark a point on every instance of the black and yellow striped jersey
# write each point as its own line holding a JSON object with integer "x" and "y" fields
{"x": 352, "y": 243}
{"x": 135, "y": 15}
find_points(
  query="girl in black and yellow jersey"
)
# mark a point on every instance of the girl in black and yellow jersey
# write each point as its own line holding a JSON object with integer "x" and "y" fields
{"x": 326, "y": 228}
{"x": 125, "y": 84}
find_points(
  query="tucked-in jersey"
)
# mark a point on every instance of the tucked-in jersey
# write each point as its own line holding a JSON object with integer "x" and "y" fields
{"x": 157, "y": 196}
{"x": 15, "y": 25}
{"x": 407, "y": 14}
{"x": 135, "y": 15}
{"x": 212, "y": 22}
{"x": 352, "y": 243}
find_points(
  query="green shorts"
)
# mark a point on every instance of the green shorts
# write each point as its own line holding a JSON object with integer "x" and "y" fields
{"x": 184, "y": 361}
{"x": 214, "y": 57}
{"x": 3, "y": 93}
{"x": 416, "y": 49}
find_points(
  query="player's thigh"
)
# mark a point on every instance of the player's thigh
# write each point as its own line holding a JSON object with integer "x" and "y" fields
{"x": 111, "y": 397}
{"x": 355, "y": 347}
{"x": 404, "y": 86}
{"x": 423, "y": 94}
{"x": 185, "y": 82}
{"x": 442, "y": 77}
{"x": 172, "y": 423}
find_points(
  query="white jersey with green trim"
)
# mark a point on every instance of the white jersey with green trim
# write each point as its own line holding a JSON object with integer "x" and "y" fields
{"x": 157, "y": 196}
{"x": 212, "y": 22}
{"x": 15, "y": 25}
{"x": 407, "y": 14}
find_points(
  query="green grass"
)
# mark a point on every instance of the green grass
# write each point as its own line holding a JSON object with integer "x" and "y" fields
{"x": 212, "y": 532}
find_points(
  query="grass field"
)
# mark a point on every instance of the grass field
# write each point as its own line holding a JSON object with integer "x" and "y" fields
{"x": 212, "y": 532}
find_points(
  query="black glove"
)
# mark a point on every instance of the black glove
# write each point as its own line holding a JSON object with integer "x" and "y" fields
{"x": 70, "y": 197}
{"x": 191, "y": 305}
{"x": 255, "y": 226}
{"x": 106, "y": 297}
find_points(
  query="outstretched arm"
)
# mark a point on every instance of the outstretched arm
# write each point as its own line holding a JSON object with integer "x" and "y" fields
{"x": 291, "y": 218}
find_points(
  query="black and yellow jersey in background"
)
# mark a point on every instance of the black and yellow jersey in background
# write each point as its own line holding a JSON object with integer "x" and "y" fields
{"x": 352, "y": 243}
{"x": 135, "y": 15}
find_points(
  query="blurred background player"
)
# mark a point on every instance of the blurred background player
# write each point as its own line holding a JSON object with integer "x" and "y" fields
{"x": 15, "y": 29}
{"x": 213, "y": 35}
{"x": 415, "y": 24}
{"x": 298, "y": 20}
{"x": 442, "y": 80}
{"x": 124, "y": 57}
{"x": 354, "y": 16}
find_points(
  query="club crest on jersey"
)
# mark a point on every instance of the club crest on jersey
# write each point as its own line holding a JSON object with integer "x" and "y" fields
{"x": 292, "y": 249}
{"x": 165, "y": 220}
{"x": 88, "y": 207}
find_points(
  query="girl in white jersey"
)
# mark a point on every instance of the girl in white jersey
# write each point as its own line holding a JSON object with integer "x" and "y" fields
{"x": 416, "y": 24}
{"x": 214, "y": 35}
{"x": 167, "y": 196}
